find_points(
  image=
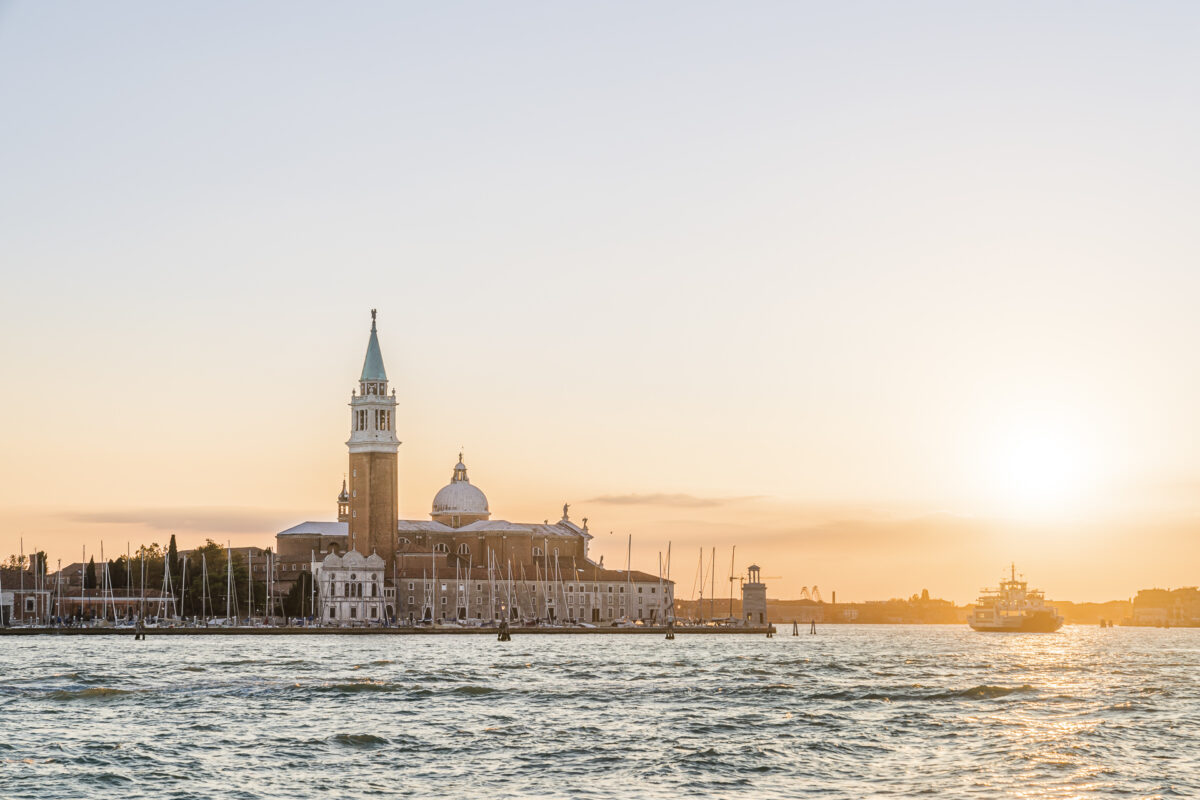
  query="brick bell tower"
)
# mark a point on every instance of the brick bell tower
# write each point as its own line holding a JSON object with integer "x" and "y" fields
{"x": 373, "y": 446}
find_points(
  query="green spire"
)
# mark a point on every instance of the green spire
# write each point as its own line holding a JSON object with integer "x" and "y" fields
{"x": 373, "y": 370}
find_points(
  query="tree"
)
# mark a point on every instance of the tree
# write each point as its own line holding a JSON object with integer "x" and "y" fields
{"x": 297, "y": 602}
{"x": 173, "y": 561}
{"x": 89, "y": 575}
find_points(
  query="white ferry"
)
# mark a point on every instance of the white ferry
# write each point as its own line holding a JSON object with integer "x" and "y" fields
{"x": 1014, "y": 607}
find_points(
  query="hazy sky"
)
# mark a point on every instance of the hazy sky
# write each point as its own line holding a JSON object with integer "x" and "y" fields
{"x": 886, "y": 294}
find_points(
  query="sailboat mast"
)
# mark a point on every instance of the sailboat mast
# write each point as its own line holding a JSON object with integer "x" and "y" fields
{"x": 249, "y": 583}
{"x": 103, "y": 583}
{"x": 731, "y": 554}
{"x": 628, "y": 577}
{"x": 228, "y": 581}
{"x": 712, "y": 595}
{"x": 204, "y": 587}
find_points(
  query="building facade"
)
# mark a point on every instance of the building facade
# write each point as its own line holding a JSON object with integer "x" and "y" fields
{"x": 460, "y": 564}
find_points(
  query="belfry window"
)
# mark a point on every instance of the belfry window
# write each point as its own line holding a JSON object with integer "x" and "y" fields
{"x": 464, "y": 549}
{"x": 361, "y": 421}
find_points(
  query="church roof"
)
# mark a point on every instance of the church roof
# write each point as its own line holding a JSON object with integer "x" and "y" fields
{"x": 406, "y": 526}
{"x": 321, "y": 528}
{"x": 422, "y": 526}
{"x": 373, "y": 364}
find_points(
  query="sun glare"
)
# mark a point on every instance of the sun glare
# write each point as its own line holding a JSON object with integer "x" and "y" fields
{"x": 1042, "y": 471}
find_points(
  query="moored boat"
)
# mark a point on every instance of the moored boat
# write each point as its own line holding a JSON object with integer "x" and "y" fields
{"x": 1015, "y": 608}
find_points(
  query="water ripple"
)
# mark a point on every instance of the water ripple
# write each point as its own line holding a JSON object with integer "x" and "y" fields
{"x": 857, "y": 711}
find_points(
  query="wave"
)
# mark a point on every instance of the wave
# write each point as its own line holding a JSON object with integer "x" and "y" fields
{"x": 354, "y": 687}
{"x": 986, "y": 692}
{"x": 474, "y": 690}
{"x": 91, "y": 693}
{"x": 358, "y": 740}
{"x": 981, "y": 692}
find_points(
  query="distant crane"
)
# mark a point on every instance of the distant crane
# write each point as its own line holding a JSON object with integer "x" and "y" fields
{"x": 814, "y": 595}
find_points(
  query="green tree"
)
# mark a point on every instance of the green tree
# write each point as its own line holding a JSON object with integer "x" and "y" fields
{"x": 211, "y": 557}
{"x": 89, "y": 574}
{"x": 173, "y": 562}
{"x": 297, "y": 602}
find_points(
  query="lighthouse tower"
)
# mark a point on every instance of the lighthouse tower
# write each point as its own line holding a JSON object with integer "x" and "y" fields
{"x": 373, "y": 446}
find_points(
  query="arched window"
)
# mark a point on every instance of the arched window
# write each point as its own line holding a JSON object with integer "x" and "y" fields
{"x": 441, "y": 547}
{"x": 464, "y": 549}
{"x": 537, "y": 551}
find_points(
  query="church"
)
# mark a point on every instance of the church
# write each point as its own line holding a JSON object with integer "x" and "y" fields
{"x": 458, "y": 566}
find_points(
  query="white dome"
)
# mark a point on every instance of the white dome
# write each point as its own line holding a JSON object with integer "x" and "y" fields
{"x": 460, "y": 498}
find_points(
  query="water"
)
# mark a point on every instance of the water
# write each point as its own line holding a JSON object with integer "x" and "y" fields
{"x": 853, "y": 712}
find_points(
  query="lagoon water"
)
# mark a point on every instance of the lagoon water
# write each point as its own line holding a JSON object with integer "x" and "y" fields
{"x": 853, "y": 712}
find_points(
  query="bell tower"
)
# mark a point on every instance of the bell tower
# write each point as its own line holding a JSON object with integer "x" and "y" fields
{"x": 373, "y": 445}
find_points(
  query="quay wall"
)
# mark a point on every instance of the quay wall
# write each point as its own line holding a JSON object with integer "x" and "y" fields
{"x": 215, "y": 631}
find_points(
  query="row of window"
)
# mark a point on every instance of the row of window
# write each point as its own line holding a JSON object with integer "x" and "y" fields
{"x": 583, "y": 587}
{"x": 374, "y": 612}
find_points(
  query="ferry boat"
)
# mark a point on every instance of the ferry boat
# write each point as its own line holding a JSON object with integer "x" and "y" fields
{"x": 1015, "y": 608}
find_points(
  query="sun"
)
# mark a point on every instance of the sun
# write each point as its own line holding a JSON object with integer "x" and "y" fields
{"x": 1040, "y": 470}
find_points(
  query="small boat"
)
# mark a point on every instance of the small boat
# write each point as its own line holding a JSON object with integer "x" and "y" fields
{"x": 1014, "y": 608}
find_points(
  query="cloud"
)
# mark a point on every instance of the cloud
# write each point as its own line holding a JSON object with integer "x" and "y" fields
{"x": 673, "y": 500}
{"x": 205, "y": 520}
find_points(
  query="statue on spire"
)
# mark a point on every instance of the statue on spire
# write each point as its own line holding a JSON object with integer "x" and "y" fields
{"x": 566, "y": 507}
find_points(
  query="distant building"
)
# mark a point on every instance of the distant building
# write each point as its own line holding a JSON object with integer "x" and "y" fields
{"x": 754, "y": 598}
{"x": 352, "y": 589}
{"x": 460, "y": 563}
{"x": 22, "y": 599}
{"x": 1177, "y": 607}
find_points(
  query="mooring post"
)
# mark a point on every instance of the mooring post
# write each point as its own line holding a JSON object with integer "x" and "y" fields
{"x": 795, "y": 628}
{"x": 813, "y": 627}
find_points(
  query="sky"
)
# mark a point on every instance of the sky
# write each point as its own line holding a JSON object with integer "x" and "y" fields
{"x": 884, "y": 295}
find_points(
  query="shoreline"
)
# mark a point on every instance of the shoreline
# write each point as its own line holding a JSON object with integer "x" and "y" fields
{"x": 283, "y": 631}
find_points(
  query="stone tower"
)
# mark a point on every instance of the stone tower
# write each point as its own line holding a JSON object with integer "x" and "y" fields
{"x": 754, "y": 598}
{"x": 373, "y": 446}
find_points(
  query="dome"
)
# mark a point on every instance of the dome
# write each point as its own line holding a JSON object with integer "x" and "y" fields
{"x": 459, "y": 499}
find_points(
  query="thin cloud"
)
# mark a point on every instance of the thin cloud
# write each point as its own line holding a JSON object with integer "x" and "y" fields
{"x": 204, "y": 520}
{"x": 672, "y": 500}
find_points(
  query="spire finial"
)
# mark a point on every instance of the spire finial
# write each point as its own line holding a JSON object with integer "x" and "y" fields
{"x": 372, "y": 319}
